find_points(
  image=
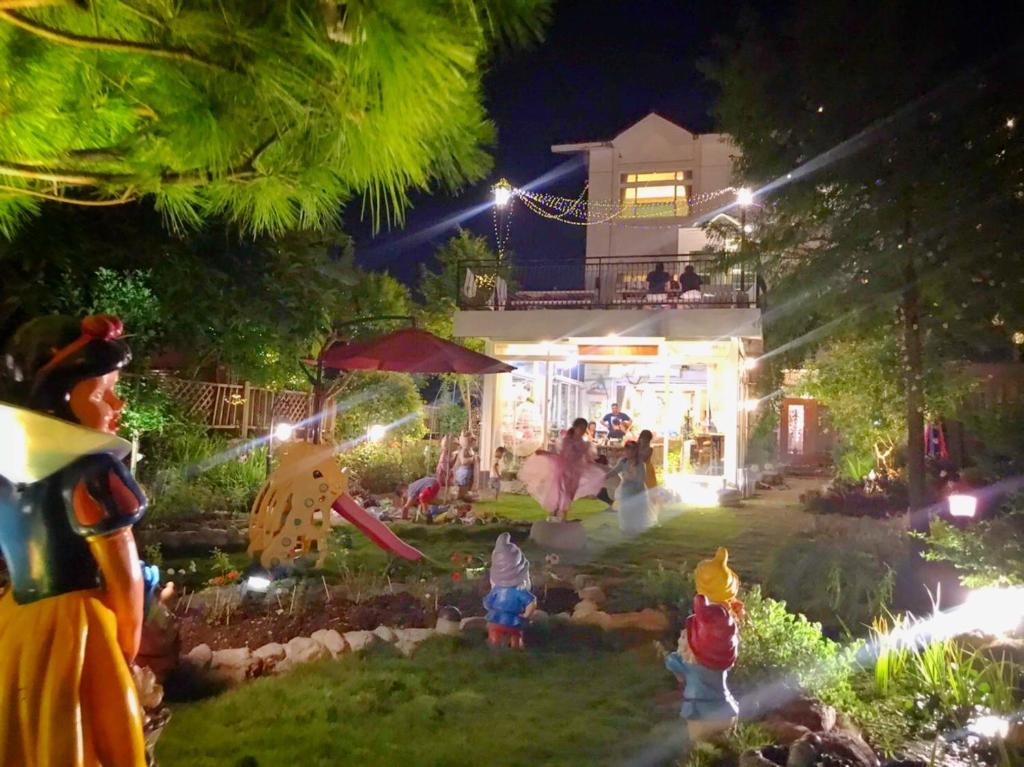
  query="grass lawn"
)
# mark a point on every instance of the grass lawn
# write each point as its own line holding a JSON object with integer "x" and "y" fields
{"x": 454, "y": 704}
{"x": 575, "y": 697}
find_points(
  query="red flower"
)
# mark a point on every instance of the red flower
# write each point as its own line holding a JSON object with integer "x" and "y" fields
{"x": 219, "y": 580}
{"x": 233, "y": 575}
{"x": 456, "y": 577}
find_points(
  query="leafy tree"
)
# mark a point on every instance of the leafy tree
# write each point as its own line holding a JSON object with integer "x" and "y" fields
{"x": 254, "y": 306}
{"x": 989, "y": 553}
{"x": 266, "y": 114}
{"x": 858, "y": 380}
{"x": 367, "y": 398}
{"x": 890, "y": 183}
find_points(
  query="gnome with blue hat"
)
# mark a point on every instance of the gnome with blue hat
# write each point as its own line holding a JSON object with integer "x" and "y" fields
{"x": 509, "y": 602}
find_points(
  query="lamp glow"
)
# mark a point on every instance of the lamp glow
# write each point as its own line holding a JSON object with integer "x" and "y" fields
{"x": 283, "y": 432}
{"x": 750, "y": 405}
{"x": 257, "y": 583}
{"x": 744, "y": 197}
{"x": 376, "y": 432}
{"x": 502, "y": 193}
{"x": 962, "y": 505}
{"x": 992, "y": 727}
{"x": 749, "y": 363}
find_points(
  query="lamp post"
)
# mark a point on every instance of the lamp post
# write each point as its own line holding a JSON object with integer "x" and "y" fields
{"x": 503, "y": 193}
{"x": 744, "y": 198}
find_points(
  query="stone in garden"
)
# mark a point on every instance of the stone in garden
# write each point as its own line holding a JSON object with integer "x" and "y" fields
{"x": 200, "y": 656}
{"x": 651, "y": 620}
{"x": 807, "y": 712}
{"x": 804, "y": 752}
{"x": 583, "y": 609}
{"x": 564, "y": 536}
{"x": 231, "y": 666}
{"x": 853, "y": 749}
{"x": 539, "y": 617}
{"x": 474, "y": 623}
{"x": 269, "y": 654}
{"x": 386, "y": 634}
{"x": 1015, "y": 735}
{"x": 359, "y": 640}
{"x": 593, "y": 594}
{"x": 331, "y": 640}
{"x": 304, "y": 650}
{"x": 784, "y": 732}
{"x": 413, "y": 635}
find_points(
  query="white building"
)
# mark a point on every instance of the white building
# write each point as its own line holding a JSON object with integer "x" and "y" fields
{"x": 596, "y": 330}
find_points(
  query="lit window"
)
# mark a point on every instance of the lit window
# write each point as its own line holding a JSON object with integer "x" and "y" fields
{"x": 648, "y": 194}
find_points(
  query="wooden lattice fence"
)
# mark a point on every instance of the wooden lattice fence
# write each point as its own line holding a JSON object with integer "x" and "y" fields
{"x": 241, "y": 408}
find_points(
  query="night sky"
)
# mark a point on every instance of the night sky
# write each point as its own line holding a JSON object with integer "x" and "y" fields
{"x": 601, "y": 67}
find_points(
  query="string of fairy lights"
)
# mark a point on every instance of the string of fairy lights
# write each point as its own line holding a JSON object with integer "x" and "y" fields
{"x": 581, "y": 211}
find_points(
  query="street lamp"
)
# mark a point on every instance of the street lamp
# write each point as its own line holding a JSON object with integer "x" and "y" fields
{"x": 744, "y": 198}
{"x": 502, "y": 193}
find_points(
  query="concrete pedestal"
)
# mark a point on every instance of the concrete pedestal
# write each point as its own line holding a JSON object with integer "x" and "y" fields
{"x": 564, "y": 536}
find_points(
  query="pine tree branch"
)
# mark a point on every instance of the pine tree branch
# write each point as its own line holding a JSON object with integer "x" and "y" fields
{"x": 105, "y": 43}
{"x": 8, "y": 5}
{"x": 13, "y": 190}
{"x": 60, "y": 175}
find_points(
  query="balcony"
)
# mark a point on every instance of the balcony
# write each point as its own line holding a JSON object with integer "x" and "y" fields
{"x": 607, "y": 283}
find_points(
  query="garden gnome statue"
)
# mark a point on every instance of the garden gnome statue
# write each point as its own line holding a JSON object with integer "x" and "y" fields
{"x": 70, "y": 623}
{"x": 509, "y": 603}
{"x": 715, "y": 580}
{"x": 707, "y": 650}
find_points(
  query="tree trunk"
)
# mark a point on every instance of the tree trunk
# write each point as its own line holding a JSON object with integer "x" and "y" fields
{"x": 914, "y": 378}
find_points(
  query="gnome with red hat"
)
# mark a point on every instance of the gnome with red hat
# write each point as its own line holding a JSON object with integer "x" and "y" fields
{"x": 707, "y": 650}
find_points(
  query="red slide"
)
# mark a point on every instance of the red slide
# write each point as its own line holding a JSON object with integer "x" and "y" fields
{"x": 374, "y": 529}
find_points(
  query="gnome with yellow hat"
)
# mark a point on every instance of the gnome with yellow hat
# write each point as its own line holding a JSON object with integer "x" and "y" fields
{"x": 717, "y": 581}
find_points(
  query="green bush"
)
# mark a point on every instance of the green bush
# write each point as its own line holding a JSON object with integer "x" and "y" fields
{"x": 188, "y": 471}
{"x": 369, "y": 398}
{"x": 989, "y": 553}
{"x": 776, "y": 645}
{"x": 840, "y": 585}
{"x": 381, "y": 467}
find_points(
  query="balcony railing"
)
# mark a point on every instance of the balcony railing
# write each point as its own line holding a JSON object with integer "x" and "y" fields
{"x": 685, "y": 281}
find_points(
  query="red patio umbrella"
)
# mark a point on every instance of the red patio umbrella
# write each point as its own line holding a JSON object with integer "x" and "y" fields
{"x": 409, "y": 350}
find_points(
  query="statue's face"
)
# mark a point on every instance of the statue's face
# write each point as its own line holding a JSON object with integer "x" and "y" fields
{"x": 95, "y": 404}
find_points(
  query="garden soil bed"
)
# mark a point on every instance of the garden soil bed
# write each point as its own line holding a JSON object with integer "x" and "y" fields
{"x": 255, "y": 625}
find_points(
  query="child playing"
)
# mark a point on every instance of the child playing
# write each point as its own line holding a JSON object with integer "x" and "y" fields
{"x": 633, "y": 510}
{"x": 421, "y": 492}
{"x": 465, "y": 462}
{"x": 646, "y": 455}
{"x": 555, "y": 480}
{"x": 496, "y": 469}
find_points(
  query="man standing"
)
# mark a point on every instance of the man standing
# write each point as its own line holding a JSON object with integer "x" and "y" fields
{"x": 617, "y": 422}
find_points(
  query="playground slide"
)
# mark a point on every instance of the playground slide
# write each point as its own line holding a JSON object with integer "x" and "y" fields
{"x": 374, "y": 529}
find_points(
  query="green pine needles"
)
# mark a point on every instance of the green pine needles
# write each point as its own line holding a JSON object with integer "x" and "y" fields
{"x": 268, "y": 114}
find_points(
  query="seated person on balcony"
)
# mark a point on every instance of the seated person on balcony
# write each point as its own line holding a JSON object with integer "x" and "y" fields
{"x": 617, "y": 422}
{"x": 658, "y": 279}
{"x": 689, "y": 279}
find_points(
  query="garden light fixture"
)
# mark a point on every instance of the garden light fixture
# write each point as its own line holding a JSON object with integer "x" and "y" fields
{"x": 257, "y": 583}
{"x": 283, "y": 431}
{"x": 992, "y": 727}
{"x": 962, "y": 505}
{"x": 744, "y": 197}
{"x": 376, "y": 433}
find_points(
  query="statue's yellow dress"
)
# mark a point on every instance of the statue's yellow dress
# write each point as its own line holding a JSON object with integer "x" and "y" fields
{"x": 67, "y": 698}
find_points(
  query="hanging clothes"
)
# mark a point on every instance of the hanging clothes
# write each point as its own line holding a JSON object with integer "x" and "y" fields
{"x": 469, "y": 284}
